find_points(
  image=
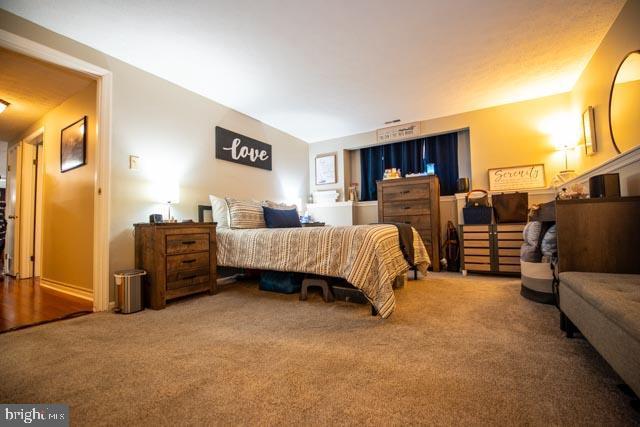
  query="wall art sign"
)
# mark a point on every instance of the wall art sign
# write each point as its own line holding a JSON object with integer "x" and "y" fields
{"x": 517, "y": 178}
{"x": 326, "y": 169}
{"x": 237, "y": 148}
{"x": 396, "y": 133}
{"x": 73, "y": 145}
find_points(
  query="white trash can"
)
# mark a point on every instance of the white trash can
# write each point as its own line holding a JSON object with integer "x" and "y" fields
{"x": 129, "y": 290}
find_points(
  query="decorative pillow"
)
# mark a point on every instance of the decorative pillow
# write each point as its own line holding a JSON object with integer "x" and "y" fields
{"x": 531, "y": 232}
{"x": 245, "y": 213}
{"x": 549, "y": 244}
{"x": 276, "y": 205}
{"x": 281, "y": 218}
{"x": 220, "y": 211}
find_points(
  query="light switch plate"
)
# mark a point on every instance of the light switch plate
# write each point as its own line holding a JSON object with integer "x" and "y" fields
{"x": 133, "y": 162}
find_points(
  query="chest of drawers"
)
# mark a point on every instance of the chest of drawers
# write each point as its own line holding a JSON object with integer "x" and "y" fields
{"x": 492, "y": 248}
{"x": 414, "y": 201}
{"x": 180, "y": 259}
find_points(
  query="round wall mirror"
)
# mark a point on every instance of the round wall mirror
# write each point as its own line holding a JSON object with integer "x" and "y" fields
{"x": 624, "y": 104}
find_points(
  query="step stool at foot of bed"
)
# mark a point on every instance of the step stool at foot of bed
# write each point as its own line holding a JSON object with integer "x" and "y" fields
{"x": 327, "y": 295}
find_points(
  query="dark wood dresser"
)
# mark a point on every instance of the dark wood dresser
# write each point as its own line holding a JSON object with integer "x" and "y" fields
{"x": 599, "y": 235}
{"x": 491, "y": 248}
{"x": 180, "y": 259}
{"x": 414, "y": 201}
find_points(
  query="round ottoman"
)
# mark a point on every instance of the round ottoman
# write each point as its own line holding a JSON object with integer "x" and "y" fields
{"x": 537, "y": 282}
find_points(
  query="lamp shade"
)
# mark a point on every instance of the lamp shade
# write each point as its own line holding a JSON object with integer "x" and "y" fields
{"x": 167, "y": 191}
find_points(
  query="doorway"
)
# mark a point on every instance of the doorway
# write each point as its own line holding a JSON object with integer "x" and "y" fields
{"x": 25, "y": 172}
{"x": 102, "y": 156}
{"x": 49, "y": 256}
{"x": 25, "y": 301}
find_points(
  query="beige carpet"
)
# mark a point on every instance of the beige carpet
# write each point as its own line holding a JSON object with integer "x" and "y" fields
{"x": 456, "y": 351}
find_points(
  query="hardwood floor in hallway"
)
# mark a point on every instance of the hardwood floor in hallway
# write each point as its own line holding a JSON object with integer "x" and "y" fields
{"x": 25, "y": 303}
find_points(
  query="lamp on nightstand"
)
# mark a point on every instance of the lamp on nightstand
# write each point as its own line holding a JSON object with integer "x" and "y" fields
{"x": 169, "y": 193}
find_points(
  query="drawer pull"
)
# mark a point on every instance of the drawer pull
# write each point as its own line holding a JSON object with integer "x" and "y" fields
{"x": 407, "y": 222}
{"x": 407, "y": 207}
{"x": 406, "y": 192}
{"x": 189, "y": 242}
{"x": 193, "y": 276}
{"x": 188, "y": 261}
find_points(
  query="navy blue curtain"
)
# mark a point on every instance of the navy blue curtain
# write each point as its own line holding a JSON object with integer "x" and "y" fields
{"x": 410, "y": 157}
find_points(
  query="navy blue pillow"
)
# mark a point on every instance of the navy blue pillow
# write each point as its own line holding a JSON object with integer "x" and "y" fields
{"x": 281, "y": 218}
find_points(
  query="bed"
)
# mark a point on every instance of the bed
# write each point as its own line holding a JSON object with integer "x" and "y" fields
{"x": 367, "y": 256}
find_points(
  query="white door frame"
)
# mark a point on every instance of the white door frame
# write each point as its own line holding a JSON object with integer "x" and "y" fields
{"x": 28, "y": 188}
{"x": 12, "y": 238}
{"x": 102, "y": 177}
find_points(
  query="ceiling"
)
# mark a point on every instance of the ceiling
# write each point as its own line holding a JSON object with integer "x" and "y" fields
{"x": 331, "y": 68}
{"x": 32, "y": 88}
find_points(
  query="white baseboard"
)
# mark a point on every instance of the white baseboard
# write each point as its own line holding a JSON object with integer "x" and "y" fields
{"x": 68, "y": 289}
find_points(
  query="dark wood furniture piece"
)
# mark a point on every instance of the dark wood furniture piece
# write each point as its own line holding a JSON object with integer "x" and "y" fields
{"x": 491, "y": 248}
{"x": 414, "y": 201}
{"x": 180, "y": 259}
{"x": 313, "y": 224}
{"x": 599, "y": 235}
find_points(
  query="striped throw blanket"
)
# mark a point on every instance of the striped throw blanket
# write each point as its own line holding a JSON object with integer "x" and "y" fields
{"x": 367, "y": 256}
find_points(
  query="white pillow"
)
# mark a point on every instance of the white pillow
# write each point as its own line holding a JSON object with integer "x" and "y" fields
{"x": 220, "y": 211}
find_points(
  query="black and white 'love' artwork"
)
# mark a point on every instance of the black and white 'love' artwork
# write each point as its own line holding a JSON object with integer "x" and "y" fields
{"x": 237, "y": 148}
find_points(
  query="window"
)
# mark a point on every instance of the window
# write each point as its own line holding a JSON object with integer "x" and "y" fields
{"x": 411, "y": 157}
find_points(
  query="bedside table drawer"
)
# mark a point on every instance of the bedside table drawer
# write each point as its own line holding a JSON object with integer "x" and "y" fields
{"x": 176, "y": 263}
{"x": 187, "y": 243}
{"x": 187, "y": 278}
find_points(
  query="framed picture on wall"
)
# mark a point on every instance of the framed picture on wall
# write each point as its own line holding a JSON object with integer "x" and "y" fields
{"x": 73, "y": 145}
{"x": 326, "y": 169}
{"x": 589, "y": 132}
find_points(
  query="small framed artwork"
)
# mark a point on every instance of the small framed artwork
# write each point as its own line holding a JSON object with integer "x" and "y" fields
{"x": 73, "y": 145}
{"x": 589, "y": 131}
{"x": 326, "y": 169}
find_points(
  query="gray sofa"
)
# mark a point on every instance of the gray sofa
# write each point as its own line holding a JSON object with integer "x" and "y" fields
{"x": 605, "y": 308}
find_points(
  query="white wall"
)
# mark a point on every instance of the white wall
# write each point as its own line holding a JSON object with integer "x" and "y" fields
{"x": 172, "y": 130}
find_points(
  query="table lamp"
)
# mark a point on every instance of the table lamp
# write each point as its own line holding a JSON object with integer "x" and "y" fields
{"x": 170, "y": 193}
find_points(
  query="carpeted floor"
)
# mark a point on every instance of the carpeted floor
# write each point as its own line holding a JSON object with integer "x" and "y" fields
{"x": 456, "y": 351}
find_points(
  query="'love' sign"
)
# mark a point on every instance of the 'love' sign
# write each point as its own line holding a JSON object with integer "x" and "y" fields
{"x": 237, "y": 148}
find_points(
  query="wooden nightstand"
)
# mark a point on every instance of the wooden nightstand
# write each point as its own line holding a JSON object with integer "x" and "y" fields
{"x": 179, "y": 258}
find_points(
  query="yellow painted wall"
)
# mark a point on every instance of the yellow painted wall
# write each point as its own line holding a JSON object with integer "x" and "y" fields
{"x": 67, "y": 222}
{"x": 508, "y": 135}
{"x": 67, "y": 227}
{"x": 594, "y": 85}
{"x": 531, "y": 131}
